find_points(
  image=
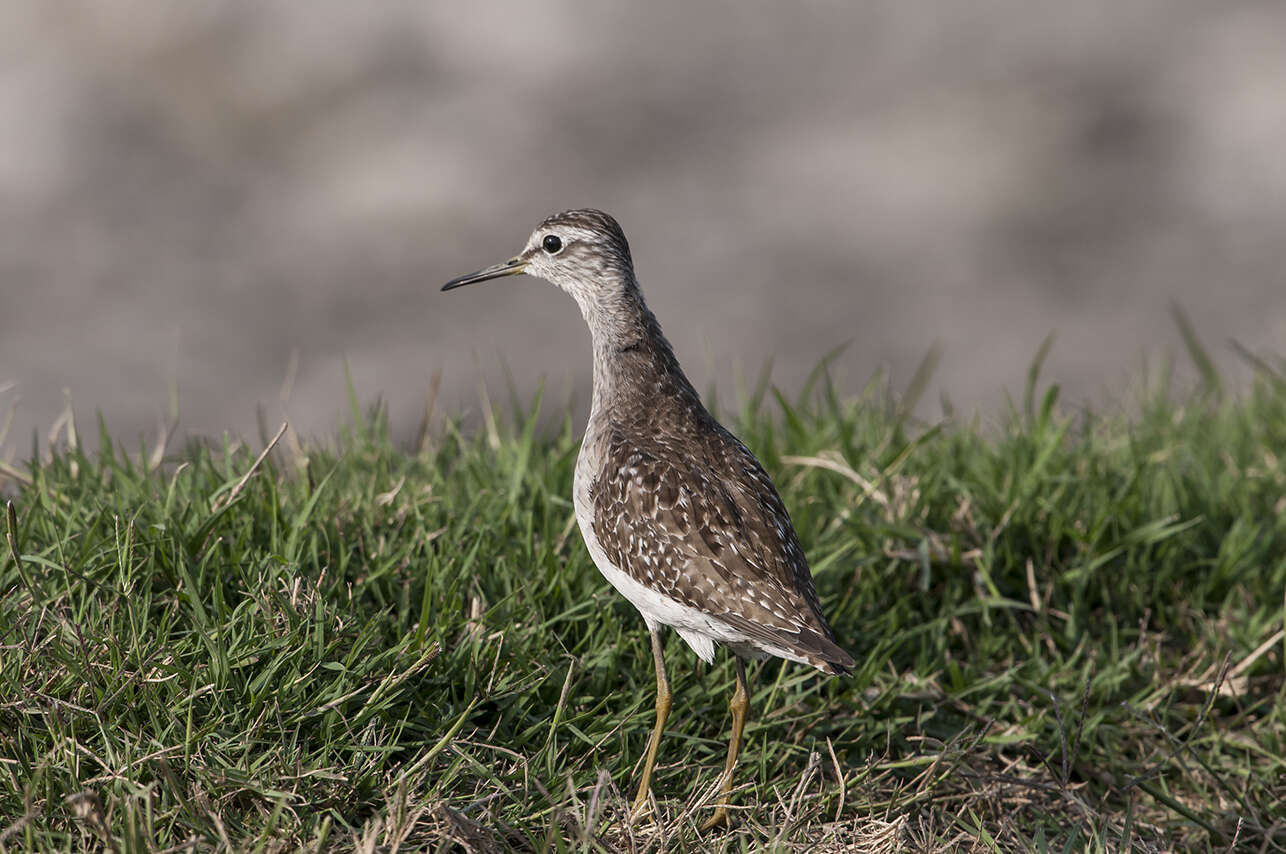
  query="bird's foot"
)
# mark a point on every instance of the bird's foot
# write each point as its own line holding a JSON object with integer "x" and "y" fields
{"x": 641, "y": 809}
{"x": 718, "y": 820}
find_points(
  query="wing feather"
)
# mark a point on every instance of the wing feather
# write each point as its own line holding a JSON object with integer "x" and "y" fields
{"x": 704, "y": 526}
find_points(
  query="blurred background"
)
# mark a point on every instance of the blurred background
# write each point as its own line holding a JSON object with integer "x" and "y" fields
{"x": 235, "y": 199}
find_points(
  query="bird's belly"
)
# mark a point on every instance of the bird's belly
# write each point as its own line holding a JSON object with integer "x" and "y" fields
{"x": 699, "y": 629}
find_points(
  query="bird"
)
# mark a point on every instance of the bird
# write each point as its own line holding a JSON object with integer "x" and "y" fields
{"x": 676, "y": 513}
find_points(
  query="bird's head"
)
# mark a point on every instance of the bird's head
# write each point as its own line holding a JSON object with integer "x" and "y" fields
{"x": 584, "y": 252}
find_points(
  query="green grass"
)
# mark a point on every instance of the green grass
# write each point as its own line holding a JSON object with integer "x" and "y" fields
{"x": 1067, "y": 627}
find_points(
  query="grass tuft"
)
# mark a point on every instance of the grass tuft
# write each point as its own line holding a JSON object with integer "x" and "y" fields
{"x": 1068, "y": 630}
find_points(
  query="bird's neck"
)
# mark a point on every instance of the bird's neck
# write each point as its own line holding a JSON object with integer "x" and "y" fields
{"x": 632, "y": 359}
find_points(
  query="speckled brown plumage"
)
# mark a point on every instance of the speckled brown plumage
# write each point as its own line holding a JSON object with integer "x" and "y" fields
{"x": 685, "y": 509}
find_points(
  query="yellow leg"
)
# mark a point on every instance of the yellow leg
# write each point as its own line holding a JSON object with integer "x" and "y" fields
{"x": 663, "y": 699}
{"x": 738, "y": 705}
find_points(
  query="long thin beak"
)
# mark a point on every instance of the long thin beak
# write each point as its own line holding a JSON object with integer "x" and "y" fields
{"x": 512, "y": 267}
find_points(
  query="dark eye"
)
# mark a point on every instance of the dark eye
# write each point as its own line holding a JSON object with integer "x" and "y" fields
{"x": 552, "y": 244}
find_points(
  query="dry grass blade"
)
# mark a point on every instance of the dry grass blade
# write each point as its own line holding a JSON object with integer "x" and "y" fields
{"x": 833, "y": 462}
{"x": 424, "y": 434}
{"x": 839, "y": 778}
{"x": 245, "y": 478}
{"x": 12, "y": 473}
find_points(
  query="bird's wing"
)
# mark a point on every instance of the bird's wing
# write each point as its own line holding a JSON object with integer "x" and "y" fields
{"x": 709, "y": 531}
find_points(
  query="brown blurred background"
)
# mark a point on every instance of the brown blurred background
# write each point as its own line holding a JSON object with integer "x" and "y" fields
{"x": 221, "y": 196}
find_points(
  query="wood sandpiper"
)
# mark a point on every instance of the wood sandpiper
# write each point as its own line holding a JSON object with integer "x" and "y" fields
{"x": 676, "y": 512}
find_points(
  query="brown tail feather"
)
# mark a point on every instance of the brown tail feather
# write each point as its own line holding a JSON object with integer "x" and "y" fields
{"x": 826, "y": 655}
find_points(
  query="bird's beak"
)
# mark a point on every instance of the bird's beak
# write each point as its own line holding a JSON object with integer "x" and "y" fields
{"x": 512, "y": 267}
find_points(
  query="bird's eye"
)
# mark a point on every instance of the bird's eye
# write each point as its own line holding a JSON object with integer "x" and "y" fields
{"x": 552, "y": 244}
